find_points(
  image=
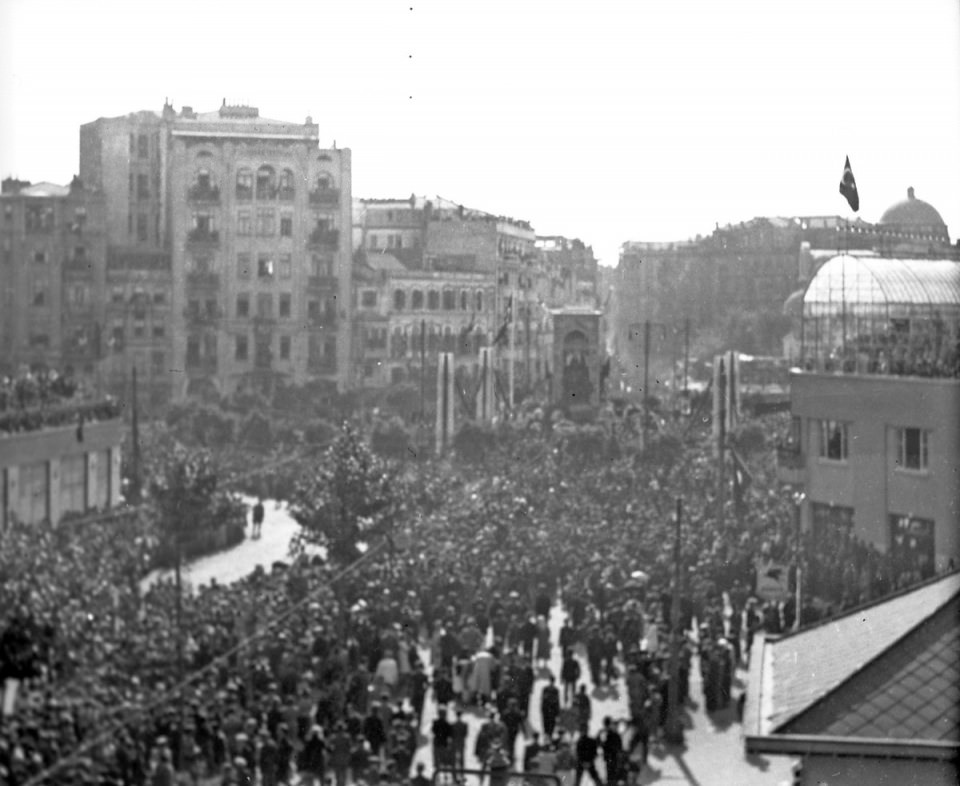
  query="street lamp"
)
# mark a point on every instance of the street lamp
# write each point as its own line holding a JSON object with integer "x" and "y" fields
{"x": 798, "y": 499}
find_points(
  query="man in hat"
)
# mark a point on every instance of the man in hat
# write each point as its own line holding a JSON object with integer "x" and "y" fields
{"x": 549, "y": 707}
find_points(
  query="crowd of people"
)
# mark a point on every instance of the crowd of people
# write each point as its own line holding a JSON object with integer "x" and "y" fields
{"x": 314, "y": 669}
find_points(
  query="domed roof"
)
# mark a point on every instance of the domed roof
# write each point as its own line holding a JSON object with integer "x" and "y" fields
{"x": 912, "y": 212}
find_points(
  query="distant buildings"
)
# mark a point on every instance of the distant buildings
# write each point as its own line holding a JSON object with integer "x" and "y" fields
{"x": 52, "y": 277}
{"x": 215, "y": 251}
{"x": 732, "y": 283}
{"x": 432, "y": 276}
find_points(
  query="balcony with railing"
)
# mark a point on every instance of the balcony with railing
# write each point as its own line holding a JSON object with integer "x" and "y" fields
{"x": 203, "y": 279}
{"x": 203, "y": 192}
{"x": 322, "y": 282}
{"x": 244, "y": 193}
{"x": 202, "y": 316}
{"x": 325, "y": 196}
{"x": 791, "y": 463}
{"x": 203, "y": 236}
{"x": 321, "y": 237}
{"x": 267, "y": 192}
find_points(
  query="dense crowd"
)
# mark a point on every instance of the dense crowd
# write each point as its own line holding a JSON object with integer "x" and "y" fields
{"x": 313, "y": 668}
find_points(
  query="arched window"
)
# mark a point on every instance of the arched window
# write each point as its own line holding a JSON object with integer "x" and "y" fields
{"x": 244, "y": 184}
{"x": 479, "y": 300}
{"x": 449, "y": 300}
{"x": 287, "y": 188}
{"x": 464, "y": 300}
{"x": 448, "y": 339}
{"x": 433, "y": 300}
{"x": 416, "y": 300}
{"x": 266, "y": 183}
{"x": 203, "y": 179}
{"x": 433, "y": 338}
{"x": 399, "y": 300}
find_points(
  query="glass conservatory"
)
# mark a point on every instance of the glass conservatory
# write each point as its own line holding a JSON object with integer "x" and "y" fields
{"x": 870, "y": 315}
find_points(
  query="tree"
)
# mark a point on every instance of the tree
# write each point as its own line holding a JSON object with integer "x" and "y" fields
{"x": 186, "y": 499}
{"x": 348, "y": 497}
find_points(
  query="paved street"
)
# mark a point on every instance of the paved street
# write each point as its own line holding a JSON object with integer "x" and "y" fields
{"x": 713, "y": 752}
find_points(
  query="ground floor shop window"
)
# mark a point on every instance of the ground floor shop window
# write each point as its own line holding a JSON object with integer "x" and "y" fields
{"x": 912, "y": 546}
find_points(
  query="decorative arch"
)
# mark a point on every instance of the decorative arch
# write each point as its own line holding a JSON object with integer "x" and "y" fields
{"x": 399, "y": 300}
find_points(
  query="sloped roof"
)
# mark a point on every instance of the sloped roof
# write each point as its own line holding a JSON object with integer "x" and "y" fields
{"x": 911, "y": 691}
{"x": 792, "y": 673}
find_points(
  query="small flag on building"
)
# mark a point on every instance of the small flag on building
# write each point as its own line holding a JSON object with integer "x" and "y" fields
{"x": 848, "y": 187}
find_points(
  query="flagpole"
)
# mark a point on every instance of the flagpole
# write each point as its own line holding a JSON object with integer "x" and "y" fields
{"x": 511, "y": 369}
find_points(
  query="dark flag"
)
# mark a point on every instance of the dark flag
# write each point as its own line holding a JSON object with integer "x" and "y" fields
{"x": 848, "y": 187}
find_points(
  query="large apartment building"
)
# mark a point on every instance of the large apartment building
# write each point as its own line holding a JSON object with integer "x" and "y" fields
{"x": 52, "y": 273}
{"x": 227, "y": 266}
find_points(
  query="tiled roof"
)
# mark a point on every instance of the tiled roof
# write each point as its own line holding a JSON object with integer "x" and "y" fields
{"x": 912, "y": 691}
{"x": 383, "y": 261}
{"x": 801, "y": 669}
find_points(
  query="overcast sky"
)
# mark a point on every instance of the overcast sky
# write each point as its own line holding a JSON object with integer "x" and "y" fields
{"x": 609, "y": 120}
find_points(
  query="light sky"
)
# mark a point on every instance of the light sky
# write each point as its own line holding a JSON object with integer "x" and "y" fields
{"x": 608, "y": 120}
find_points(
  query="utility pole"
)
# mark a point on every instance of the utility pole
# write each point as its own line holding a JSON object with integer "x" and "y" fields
{"x": 673, "y": 732}
{"x": 135, "y": 436}
{"x": 646, "y": 377}
{"x": 178, "y": 557}
{"x": 686, "y": 352}
{"x": 423, "y": 367}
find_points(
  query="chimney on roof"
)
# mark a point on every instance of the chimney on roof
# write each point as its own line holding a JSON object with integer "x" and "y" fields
{"x": 910, "y": 193}
{"x": 308, "y": 121}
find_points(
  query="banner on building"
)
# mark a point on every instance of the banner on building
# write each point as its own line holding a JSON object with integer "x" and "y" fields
{"x": 445, "y": 400}
{"x": 773, "y": 581}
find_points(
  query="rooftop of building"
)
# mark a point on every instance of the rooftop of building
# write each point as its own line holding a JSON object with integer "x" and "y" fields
{"x": 912, "y": 212}
{"x": 237, "y": 120}
{"x": 887, "y": 670}
{"x": 848, "y": 281}
{"x": 44, "y": 190}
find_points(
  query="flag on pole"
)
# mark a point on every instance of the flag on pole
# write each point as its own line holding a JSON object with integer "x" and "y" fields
{"x": 848, "y": 187}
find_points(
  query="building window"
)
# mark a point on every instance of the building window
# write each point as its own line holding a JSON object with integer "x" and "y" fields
{"x": 143, "y": 146}
{"x": 241, "y": 348}
{"x": 322, "y": 266}
{"x": 479, "y": 300}
{"x": 243, "y": 305}
{"x": 159, "y": 298}
{"x": 34, "y": 486}
{"x": 266, "y": 222}
{"x": 116, "y": 295}
{"x": 284, "y": 307}
{"x": 416, "y": 300}
{"x": 399, "y": 300}
{"x": 833, "y": 440}
{"x": 449, "y": 300}
{"x": 40, "y": 257}
{"x": 287, "y": 191}
{"x": 157, "y": 361}
{"x": 912, "y": 449}
{"x": 286, "y": 266}
{"x": 368, "y": 298}
{"x": 286, "y": 226}
{"x": 243, "y": 265}
{"x": 433, "y": 300}
{"x": 264, "y": 266}
{"x": 193, "y": 352}
{"x": 39, "y": 293}
{"x": 78, "y": 295}
{"x": 133, "y": 144}
{"x": 39, "y": 219}
{"x": 265, "y": 305}
{"x": 266, "y": 183}
{"x": 244, "y": 223}
{"x": 373, "y": 240}
{"x": 159, "y": 331}
{"x": 464, "y": 300}
{"x": 391, "y": 241}
{"x": 244, "y": 184}
{"x": 143, "y": 186}
{"x": 141, "y": 228}
{"x": 284, "y": 347}
{"x": 911, "y": 548}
